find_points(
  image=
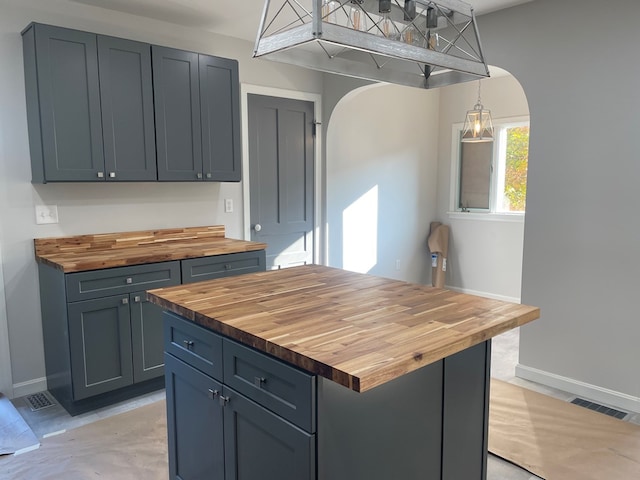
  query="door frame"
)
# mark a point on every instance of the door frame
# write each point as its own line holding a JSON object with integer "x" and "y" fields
{"x": 6, "y": 380}
{"x": 319, "y": 233}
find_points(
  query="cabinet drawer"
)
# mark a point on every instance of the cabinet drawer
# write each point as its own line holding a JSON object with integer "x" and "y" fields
{"x": 208, "y": 268}
{"x": 196, "y": 346}
{"x": 119, "y": 280}
{"x": 285, "y": 390}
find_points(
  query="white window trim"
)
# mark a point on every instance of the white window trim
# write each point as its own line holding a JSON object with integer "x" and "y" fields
{"x": 490, "y": 215}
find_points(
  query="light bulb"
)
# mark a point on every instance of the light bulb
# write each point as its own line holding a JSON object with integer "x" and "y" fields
{"x": 329, "y": 11}
{"x": 357, "y": 17}
{"x": 386, "y": 26}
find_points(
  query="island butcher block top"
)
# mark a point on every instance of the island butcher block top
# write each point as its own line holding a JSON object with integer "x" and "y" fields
{"x": 358, "y": 330}
{"x": 92, "y": 252}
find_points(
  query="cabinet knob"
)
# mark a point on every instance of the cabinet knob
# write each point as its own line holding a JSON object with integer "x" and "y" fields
{"x": 100, "y": 174}
{"x": 188, "y": 344}
{"x": 112, "y": 174}
{"x": 198, "y": 175}
{"x": 223, "y": 400}
{"x": 227, "y": 266}
{"x": 129, "y": 280}
{"x": 209, "y": 175}
{"x": 259, "y": 381}
{"x": 212, "y": 394}
{"x": 125, "y": 301}
{"x": 136, "y": 299}
{"x": 257, "y": 227}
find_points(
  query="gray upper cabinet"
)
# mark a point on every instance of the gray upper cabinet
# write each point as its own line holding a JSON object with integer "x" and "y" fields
{"x": 197, "y": 108}
{"x": 101, "y": 108}
{"x": 177, "y": 103}
{"x": 220, "y": 115}
{"x": 126, "y": 95}
{"x": 63, "y": 104}
{"x": 89, "y": 106}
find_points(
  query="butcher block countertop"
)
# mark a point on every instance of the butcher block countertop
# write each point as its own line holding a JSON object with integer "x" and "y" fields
{"x": 358, "y": 330}
{"x": 106, "y": 250}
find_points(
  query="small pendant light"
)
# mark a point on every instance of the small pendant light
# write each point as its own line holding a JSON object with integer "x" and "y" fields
{"x": 478, "y": 126}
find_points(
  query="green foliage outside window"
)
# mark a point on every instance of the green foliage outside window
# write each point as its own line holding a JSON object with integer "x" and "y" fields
{"x": 516, "y": 162}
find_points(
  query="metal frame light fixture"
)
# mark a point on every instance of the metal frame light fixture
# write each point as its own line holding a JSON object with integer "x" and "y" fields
{"x": 478, "y": 126}
{"x": 420, "y": 43}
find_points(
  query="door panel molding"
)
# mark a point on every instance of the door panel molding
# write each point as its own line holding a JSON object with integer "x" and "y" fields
{"x": 319, "y": 250}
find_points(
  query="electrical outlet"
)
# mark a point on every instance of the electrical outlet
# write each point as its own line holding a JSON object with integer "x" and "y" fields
{"x": 46, "y": 214}
{"x": 228, "y": 205}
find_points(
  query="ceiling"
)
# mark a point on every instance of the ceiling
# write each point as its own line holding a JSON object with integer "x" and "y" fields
{"x": 234, "y": 18}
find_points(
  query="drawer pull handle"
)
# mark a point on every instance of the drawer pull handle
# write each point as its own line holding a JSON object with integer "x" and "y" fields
{"x": 129, "y": 280}
{"x": 188, "y": 344}
{"x": 223, "y": 400}
{"x": 259, "y": 381}
{"x": 213, "y": 394}
{"x": 227, "y": 266}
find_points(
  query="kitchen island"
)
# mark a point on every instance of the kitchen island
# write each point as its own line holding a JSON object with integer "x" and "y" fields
{"x": 318, "y": 373}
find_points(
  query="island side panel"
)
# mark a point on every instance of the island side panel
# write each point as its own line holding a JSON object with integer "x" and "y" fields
{"x": 391, "y": 431}
{"x": 466, "y": 413}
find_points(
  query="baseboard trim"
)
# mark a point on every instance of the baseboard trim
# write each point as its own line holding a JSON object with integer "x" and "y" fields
{"x": 493, "y": 296}
{"x": 30, "y": 386}
{"x": 588, "y": 391}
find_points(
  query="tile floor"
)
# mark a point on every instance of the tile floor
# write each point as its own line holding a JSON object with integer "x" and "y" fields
{"x": 504, "y": 359}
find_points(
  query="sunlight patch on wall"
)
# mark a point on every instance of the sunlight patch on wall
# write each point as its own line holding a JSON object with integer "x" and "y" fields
{"x": 360, "y": 233}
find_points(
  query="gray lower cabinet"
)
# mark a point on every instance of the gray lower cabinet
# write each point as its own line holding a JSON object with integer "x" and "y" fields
{"x": 216, "y": 432}
{"x": 89, "y": 106}
{"x": 238, "y": 414}
{"x": 104, "y": 341}
{"x": 102, "y": 338}
{"x": 197, "y": 114}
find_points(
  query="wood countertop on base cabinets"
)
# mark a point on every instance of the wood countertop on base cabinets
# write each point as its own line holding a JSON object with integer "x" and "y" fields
{"x": 357, "y": 330}
{"x": 106, "y": 250}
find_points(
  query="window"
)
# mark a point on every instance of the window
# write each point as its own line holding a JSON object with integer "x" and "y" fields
{"x": 492, "y": 176}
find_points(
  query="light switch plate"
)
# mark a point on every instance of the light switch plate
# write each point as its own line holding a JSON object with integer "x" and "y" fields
{"x": 46, "y": 214}
{"x": 228, "y": 205}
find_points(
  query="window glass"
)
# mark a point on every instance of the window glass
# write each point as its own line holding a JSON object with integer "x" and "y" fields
{"x": 492, "y": 176}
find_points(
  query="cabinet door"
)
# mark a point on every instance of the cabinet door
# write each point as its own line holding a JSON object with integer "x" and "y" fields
{"x": 177, "y": 111}
{"x": 262, "y": 446}
{"x": 100, "y": 344}
{"x": 220, "y": 113}
{"x": 146, "y": 338}
{"x": 194, "y": 423}
{"x": 127, "y": 109}
{"x": 69, "y": 96}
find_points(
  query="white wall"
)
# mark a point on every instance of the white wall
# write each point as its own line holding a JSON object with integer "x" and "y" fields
{"x": 576, "y": 60}
{"x": 94, "y": 208}
{"x": 485, "y": 256}
{"x": 382, "y": 152}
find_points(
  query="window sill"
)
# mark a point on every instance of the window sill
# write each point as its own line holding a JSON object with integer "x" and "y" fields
{"x": 488, "y": 216}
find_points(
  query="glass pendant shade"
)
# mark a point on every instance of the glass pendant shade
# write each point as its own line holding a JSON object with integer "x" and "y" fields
{"x": 478, "y": 126}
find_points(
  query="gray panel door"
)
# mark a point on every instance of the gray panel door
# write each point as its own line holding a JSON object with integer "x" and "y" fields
{"x": 194, "y": 423}
{"x": 69, "y": 91}
{"x": 100, "y": 343}
{"x": 126, "y": 92}
{"x": 220, "y": 115}
{"x": 262, "y": 446}
{"x": 281, "y": 149}
{"x": 177, "y": 110}
{"x": 146, "y": 338}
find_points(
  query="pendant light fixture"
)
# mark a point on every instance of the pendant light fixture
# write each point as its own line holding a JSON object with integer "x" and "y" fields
{"x": 478, "y": 126}
{"x": 420, "y": 43}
